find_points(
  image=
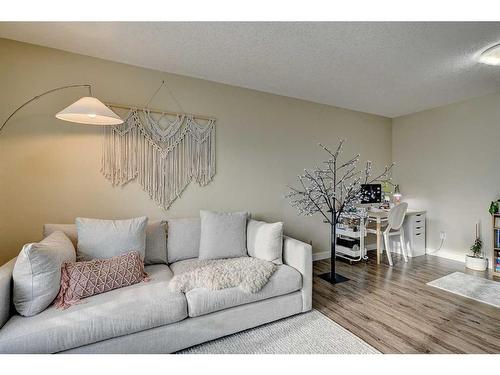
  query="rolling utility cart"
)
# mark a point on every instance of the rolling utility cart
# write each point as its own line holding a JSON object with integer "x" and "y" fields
{"x": 351, "y": 239}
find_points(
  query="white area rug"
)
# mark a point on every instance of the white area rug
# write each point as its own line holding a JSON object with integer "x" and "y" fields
{"x": 309, "y": 333}
{"x": 474, "y": 287}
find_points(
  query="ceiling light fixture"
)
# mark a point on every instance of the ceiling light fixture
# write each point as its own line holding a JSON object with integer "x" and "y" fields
{"x": 491, "y": 56}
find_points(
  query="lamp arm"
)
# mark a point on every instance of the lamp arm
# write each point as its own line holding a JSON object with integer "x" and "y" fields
{"x": 39, "y": 96}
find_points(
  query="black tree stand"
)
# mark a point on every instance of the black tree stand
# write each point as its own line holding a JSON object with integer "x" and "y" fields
{"x": 332, "y": 276}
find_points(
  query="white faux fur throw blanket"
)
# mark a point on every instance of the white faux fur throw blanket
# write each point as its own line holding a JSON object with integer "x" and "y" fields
{"x": 250, "y": 274}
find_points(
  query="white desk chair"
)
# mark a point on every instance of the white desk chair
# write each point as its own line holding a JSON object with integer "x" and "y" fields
{"x": 395, "y": 228}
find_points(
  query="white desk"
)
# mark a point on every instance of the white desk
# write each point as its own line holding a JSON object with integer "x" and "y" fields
{"x": 416, "y": 220}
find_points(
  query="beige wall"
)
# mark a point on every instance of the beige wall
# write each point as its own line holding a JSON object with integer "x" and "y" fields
{"x": 449, "y": 163}
{"x": 49, "y": 170}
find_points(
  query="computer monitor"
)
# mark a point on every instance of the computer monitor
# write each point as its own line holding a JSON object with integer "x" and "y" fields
{"x": 371, "y": 193}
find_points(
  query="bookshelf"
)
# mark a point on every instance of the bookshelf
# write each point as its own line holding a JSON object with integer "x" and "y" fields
{"x": 496, "y": 245}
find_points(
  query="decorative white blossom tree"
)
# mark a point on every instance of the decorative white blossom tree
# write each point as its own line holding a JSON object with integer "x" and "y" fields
{"x": 332, "y": 191}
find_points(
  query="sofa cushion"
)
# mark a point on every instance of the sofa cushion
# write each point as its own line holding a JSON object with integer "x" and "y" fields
{"x": 223, "y": 235}
{"x": 265, "y": 240}
{"x": 183, "y": 239}
{"x": 119, "y": 312}
{"x": 156, "y": 239}
{"x": 156, "y": 243}
{"x": 204, "y": 301}
{"x": 98, "y": 238}
{"x": 68, "y": 229}
{"x": 37, "y": 273}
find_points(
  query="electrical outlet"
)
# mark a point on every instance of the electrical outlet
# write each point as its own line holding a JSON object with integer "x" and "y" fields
{"x": 442, "y": 235}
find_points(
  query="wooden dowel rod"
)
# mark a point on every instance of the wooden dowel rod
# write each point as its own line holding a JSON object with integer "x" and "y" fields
{"x": 128, "y": 107}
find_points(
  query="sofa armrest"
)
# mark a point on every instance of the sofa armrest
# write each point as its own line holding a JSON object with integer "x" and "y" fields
{"x": 6, "y": 290}
{"x": 298, "y": 254}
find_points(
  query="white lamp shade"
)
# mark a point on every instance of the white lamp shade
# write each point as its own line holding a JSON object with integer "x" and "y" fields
{"x": 491, "y": 56}
{"x": 89, "y": 110}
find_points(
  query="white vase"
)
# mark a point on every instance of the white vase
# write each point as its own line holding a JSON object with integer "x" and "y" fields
{"x": 477, "y": 264}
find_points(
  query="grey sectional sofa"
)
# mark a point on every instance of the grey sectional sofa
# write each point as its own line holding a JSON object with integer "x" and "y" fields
{"x": 148, "y": 318}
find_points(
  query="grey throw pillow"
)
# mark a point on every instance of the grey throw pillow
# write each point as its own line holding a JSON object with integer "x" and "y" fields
{"x": 265, "y": 240}
{"x": 223, "y": 235}
{"x": 98, "y": 239}
{"x": 37, "y": 273}
{"x": 68, "y": 229}
{"x": 156, "y": 243}
{"x": 183, "y": 239}
{"x": 156, "y": 239}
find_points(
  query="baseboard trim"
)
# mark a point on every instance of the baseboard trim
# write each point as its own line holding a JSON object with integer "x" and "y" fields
{"x": 447, "y": 255}
{"x": 326, "y": 254}
{"x": 320, "y": 256}
{"x": 440, "y": 253}
{"x": 457, "y": 257}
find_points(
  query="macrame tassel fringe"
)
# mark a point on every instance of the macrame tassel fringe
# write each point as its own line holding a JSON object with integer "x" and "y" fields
{"x": 164, "y": 161}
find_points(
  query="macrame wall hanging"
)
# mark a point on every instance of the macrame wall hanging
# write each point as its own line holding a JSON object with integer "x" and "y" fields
{"x": 163, "y": 154}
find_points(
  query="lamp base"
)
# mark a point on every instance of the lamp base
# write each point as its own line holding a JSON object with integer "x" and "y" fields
{"x": 336, "y": 280}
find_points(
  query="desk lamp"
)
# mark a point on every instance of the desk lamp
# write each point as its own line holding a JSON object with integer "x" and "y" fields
{"x": 397, "y": 195}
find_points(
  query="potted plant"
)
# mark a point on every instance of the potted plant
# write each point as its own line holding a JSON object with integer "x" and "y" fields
{"x": 476, "y": 261}
{"x": 493, "y": 207}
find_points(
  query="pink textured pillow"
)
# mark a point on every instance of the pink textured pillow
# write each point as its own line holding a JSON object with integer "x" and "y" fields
{"x": 84, "y": 279}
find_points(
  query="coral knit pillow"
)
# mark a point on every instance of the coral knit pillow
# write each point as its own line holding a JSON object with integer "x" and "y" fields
{"x": 84, "y": 279}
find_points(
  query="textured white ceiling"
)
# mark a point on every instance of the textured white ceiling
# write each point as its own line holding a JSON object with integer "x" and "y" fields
{"x": 390, "y": 69}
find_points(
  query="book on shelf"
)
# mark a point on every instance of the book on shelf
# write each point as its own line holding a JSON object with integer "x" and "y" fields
{"x": 497, "y": 222}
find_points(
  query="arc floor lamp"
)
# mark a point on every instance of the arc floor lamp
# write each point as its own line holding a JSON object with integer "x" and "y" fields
{"x": 86, "y": 110}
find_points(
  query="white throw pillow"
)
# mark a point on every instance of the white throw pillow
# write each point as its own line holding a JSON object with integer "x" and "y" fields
{"x": 183, "y": 239}
{"x": 223, "y": 235}
{"x": 37, "y": 273}
{"x": 265, "y": 240}
{"x": 98, "y": 239}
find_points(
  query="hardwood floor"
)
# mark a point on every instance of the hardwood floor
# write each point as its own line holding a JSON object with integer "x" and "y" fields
{"x": 393, "y": 309}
